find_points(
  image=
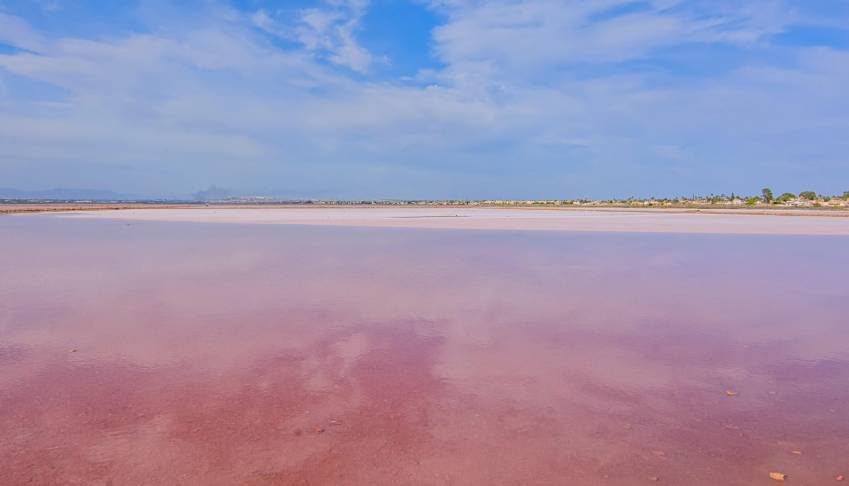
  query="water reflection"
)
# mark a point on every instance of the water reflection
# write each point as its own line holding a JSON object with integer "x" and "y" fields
{"x": 234, "y": 354}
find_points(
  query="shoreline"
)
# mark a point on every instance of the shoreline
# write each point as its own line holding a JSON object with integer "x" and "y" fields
{"x": 518, "y": 219}
{"x": 831, "y": 212}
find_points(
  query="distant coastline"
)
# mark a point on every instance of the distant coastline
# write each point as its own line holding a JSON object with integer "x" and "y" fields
{"x": 838, "y": 206}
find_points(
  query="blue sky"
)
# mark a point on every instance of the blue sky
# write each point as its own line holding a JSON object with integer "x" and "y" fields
{"x": 420, "y": 99}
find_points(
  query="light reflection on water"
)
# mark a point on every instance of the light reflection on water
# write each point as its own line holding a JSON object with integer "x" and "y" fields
{"x": 152, "y": 353}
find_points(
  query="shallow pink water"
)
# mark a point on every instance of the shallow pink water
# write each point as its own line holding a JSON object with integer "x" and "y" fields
{"x": 183, "y": 353}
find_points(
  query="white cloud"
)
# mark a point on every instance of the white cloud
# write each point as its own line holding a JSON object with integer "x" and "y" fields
{"x": 263, "y": 20}
{"x": 16, "y": 32}
{"x": 520, "y": 35}
{"x": 328, "y": 31}
{"x": 506, "y": 115}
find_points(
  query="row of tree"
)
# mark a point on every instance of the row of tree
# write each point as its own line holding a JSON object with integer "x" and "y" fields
{"x": 768, "y": 196}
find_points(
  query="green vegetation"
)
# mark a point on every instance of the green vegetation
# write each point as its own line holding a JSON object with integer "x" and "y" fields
{"x": 766, "y": 199}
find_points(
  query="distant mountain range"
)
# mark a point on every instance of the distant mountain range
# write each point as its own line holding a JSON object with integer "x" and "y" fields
{"x": 65, "y": 194}
{"x": 212, "y": 193}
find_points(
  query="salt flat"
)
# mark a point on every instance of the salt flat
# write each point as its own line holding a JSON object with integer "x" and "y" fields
{"x": 608, "y": 220}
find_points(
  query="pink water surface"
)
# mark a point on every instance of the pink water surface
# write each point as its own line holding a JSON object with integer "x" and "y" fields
{"x": 206, "y": 354}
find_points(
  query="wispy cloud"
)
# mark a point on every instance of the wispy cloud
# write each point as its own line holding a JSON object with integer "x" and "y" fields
{"x": 530, "y": 99}
{"x": 547, "y": 33}
{"x": 17, "y": 32}
{"x": 328, "y": 31}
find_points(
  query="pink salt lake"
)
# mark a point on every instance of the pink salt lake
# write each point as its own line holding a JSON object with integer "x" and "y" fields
{"x": 154, "y": 347}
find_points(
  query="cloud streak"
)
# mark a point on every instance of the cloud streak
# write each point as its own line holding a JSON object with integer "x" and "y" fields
{"x": 529, "y": 99}
{"x": 328, "y": 31}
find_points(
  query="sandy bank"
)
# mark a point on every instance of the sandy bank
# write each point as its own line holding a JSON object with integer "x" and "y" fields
{"x": 496, "y": 219}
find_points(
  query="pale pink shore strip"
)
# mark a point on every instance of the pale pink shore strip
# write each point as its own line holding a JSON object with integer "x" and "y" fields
{"x": 494, "y": 219}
